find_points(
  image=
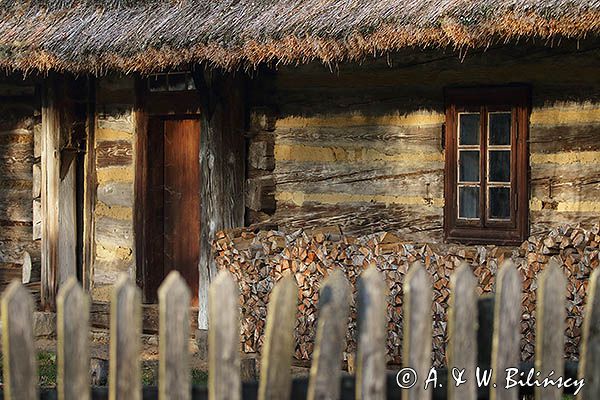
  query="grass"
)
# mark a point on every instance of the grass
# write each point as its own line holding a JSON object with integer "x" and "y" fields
{"x": 46, "y": 361}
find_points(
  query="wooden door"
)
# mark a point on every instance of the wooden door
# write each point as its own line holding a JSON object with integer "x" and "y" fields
{"x": 173, "y": 206}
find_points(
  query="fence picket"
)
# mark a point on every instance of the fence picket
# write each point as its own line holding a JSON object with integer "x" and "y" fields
{"x": 224, "y": 380}
{"x": 174, "y": 333}
{"x": 18, "y": 348}
{"x": 334, "y": 305}
{"x": 372, "y": 334}
{"x": 125, "y": 332}
{"x": 416, "y": 345}
{"x": 462, "y": 331}
{"x": 550, "y": 328}
{"x": 505, "y": 343}
{"x": 278, "y": 349}
{"x": 589, "y": 359}
{"x": 72, "y": 326}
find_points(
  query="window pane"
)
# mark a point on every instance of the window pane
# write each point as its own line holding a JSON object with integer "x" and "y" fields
{"x": 499, "y": 128}
{"x": 468, "y": 201}
{"x": 499, "y": 166}
{"x": 177, "y": 82}
{"x": 468, "y": 126}
{"x": 468, "y": 166}
{"x": 157, "y": 83}
{"x": 499, "y": 202}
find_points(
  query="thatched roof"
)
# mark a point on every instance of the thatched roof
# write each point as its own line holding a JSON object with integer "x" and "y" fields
{"x": 146, "y": 35}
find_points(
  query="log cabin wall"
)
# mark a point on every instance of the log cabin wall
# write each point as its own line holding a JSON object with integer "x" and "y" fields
{"x": 20, "y": 127}
{"x": 360, "y": 146}
{"x": 113, "y": 214}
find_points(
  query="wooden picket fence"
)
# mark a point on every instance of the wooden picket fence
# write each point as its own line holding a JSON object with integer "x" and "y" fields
{"x": 326, "y": 381}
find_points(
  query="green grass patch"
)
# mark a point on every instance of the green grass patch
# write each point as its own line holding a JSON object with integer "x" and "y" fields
{"x": 46, "y": 368}
{"x": 199, "y": 377}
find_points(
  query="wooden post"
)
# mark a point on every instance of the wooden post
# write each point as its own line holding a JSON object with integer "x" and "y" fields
{"x": 550, "y": 328}
{"x": 89, "y": 188}
{"x": 58, "y": 195}
{"x": 462, "y": 331}
{"x": 72, "y": 320}
{"x": 278, "y": 350}
{"x": 416, "y": 345}
{"x": 590, "y": 347}
{"x": 18, "y": 348}
{"x": 50, "y": 160}
{"x": 372, "y": 333}
{"x": 505, "y": 342}
{"x": 224, "y": 382}
{"x": 125, "y": 331}
{"x": 334, "y": 306}
{"x": 173, "y": 371}
{"x": 222, "y": 166}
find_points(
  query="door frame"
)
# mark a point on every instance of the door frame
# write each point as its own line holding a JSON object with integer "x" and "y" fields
{"x": 185, "y": 104}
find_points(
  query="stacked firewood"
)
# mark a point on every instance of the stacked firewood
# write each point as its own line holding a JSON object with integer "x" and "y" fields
{"x": 258, "y": 260}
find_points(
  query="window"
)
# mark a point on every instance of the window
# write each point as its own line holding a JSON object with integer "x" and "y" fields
{"x": 486, "y": 165}
{"x": 171, "y": 82}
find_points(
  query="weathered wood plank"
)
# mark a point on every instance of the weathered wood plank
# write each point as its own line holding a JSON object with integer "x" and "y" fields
{"x": 424, "y": 180}
{"x": 174, "y": 379}
{"x": 67, "y": 222}
{"x": 36, "y": 190}
{"x": 116, "y": 194}
{"x": 125, "y": 330}
{"x": 26, "y": 268}
{"x": 416, "y": 345}
{"x": 118, "y": 117}
{"x": 107, "y": 269}
{"x": 573, "y": 182}
{"x": 276, "y": 360}
{"x": 114, "y": 232}
{"x": 590, "y": 345}
{"x": 18, "y": 347}
{"x": 261, "y": 152}
{"x": 100, "y": 317}
{"x": 550, "y": 328}
{"x": 392, "y": 139}
{"x": 50, "y": 160}
{"x": 222, "y": 177}
{"x": 14, "y": 240}
{"x": 15, "y": 205}
{"x": 16, "y": 162}
{"x": 462, "y": 332}
{"x": 72, "y": 323}
{"x": 334, "y": 306}
{"x": 10, "y": 272}
{"x": 260, "y": 192}
{"x": 370, "y": 359}
{"x": 114, "y": 153}
{"x": 36, "y": 229}
{"x": 90, "y": 188}
{"x": 416, "y": 223}
{"x": 224, "y": 379}
{"x": 505, "y": 342}
{"x": 571, "y": 137}
{"x": 545, "y": 220}
{"x": 18, "y": 136}
{"x": 432, "y": 68}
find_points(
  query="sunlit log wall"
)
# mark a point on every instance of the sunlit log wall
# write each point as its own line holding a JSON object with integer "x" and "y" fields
{"x": 360, "y": 146}
{"x": 113, "y": 215}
